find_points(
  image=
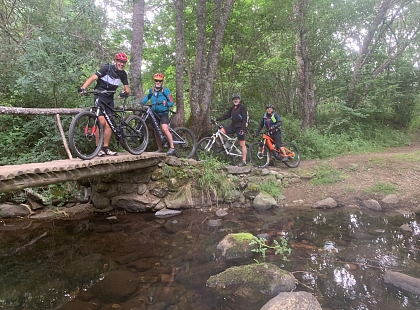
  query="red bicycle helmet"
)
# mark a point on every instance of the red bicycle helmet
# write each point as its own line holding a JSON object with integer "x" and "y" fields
{"x": 159, "y": 77}
{"x": 121, "y": 57}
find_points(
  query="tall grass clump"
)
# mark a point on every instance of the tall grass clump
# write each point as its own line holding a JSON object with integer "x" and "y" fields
{"x": 214, "y": 179}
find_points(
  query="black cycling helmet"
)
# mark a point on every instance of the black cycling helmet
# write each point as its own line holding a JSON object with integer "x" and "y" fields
{"x": 269, "y": 106}
{"x": 236, "y": 96}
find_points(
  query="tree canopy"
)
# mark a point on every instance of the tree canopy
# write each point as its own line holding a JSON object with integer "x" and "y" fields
{"x": 330, "y": 66}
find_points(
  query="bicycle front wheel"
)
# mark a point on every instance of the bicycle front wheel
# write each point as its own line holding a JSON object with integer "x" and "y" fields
{"x": 293, "y": 155}
{"x": 184, "y": 142}
{"x": 260, "y": 155}
{"x": 136, "y": 135}
{"x": 86, "y": 135}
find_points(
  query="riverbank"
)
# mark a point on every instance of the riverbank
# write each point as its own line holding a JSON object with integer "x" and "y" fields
{"x": 358, "y": 177}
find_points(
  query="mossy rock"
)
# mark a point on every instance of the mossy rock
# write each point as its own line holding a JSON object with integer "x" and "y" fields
{"x": 234, "y": 246}
{"x": 257, "y": 282}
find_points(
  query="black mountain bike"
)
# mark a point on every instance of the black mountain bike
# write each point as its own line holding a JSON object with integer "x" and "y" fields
{"x": 183, "y": 138}
{"x": 86, "y": 134}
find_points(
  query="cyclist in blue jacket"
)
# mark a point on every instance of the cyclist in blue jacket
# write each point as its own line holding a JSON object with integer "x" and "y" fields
{"x": 161, "y": 102}
{"x": 272, "y": 123}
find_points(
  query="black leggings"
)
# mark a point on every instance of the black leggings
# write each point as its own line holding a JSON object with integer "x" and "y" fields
{"x": 277, "y": 138}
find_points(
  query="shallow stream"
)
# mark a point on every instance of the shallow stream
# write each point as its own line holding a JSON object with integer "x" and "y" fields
{"x": 338, "y": 256}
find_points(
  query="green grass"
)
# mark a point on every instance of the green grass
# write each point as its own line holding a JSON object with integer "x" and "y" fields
{"x": 272, "y": 187}
{"x": 215, "y": 179}
{"x": 411, "y": 157}
{"x": 326, "y": 174}
{"x": 379, "y": 161}
{"x": 381, "y": 188}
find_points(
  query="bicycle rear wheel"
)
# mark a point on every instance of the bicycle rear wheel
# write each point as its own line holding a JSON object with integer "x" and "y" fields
{"x": 205, "y": 149}
{"x": 184, "y": 142}
{"x": 219, "y": 153}
{"x": 293, "y": 155}
{"x": 136, "y": 135}
{"x": 85, "y": 128}
{"x": 260, "y": 156}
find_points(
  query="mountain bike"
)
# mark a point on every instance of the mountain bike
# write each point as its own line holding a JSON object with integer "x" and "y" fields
{"x": 183, "y": 138}
{"x": 261, "y": 153}
{"x": 86, "y": 134}
{"x": 219, "y": 146}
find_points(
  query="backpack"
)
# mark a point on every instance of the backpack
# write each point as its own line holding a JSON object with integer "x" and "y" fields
{"x": 152, "y": 90}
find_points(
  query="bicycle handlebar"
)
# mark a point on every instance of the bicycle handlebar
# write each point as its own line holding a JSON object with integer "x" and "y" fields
{"x": 95, "y": 91}
{"x": 148, "y": 106}
{"x": 214, "y": 122}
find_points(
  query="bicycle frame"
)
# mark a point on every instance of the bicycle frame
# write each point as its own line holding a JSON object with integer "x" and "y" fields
{"x": 269, "y": 141}
{"x": 228, "y": 143}
{"x": 177, "y": 139}
{"x": 154, "y": 118}
{"x": 100, "y": 107}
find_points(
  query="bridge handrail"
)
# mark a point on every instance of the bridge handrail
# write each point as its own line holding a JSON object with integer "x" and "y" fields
{"x": 49, "y": 111}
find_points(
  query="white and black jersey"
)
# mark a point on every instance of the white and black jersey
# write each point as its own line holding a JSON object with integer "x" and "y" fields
{"x": 109, "y": 78}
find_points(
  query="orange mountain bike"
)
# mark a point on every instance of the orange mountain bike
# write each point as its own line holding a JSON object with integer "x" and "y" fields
{"x": 261, "y": 153}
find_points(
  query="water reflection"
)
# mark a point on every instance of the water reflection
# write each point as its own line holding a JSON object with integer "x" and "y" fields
{"x": 339, "y": 256}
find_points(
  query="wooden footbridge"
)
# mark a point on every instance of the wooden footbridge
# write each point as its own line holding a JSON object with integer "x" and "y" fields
{"x": 17, "y": 177}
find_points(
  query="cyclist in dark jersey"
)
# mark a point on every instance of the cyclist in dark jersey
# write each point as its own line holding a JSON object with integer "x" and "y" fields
{"x": 108, "y": 77}
{"x": 240, "y": 118}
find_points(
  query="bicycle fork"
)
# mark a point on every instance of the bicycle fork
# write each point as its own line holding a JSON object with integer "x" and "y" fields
{"x": 90, "y": 129}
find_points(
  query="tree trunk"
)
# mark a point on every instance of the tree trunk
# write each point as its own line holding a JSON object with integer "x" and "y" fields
{"x": 389, "y": 12}
{"x": 196, "y": 120}
{"x": 137, "y": 49}
{"x": 305, "y": 87}
{"x": 205, "y": 68}
{"x": 180, "y": 55}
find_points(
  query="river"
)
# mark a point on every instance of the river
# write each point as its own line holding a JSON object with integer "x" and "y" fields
{"x": 339, "y": 256}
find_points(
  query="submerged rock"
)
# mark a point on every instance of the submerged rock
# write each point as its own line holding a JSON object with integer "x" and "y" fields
{"x": 164, "y": 213}
{"x": 402, "y": 281}
{"x": 257, "y": 283}
{"x": 293, "y": 301}
{"x": 117, "y": 286}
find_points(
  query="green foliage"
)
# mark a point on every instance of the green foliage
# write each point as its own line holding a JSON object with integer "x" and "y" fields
{"x": 54, "y": 53}
{"x": 178, "y": 172}
{"x": 214, "y": 179}
{"x": 272, "y": 188}
{"x": 326, "y": 174}
{"x": 58, "y": 193}
{"x": 279, "y": 248}
{"x": 360, "y": 138}
{"x": 415, "y": 121}
{"x": 31, "y": 139}
{"x": 381, "y": 188}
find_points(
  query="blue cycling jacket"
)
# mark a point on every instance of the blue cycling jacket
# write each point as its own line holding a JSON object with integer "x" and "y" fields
{"x": 157, "y": 96}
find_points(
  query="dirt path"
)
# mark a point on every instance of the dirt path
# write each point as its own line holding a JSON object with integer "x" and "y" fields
{"x": 397, "y": 167}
